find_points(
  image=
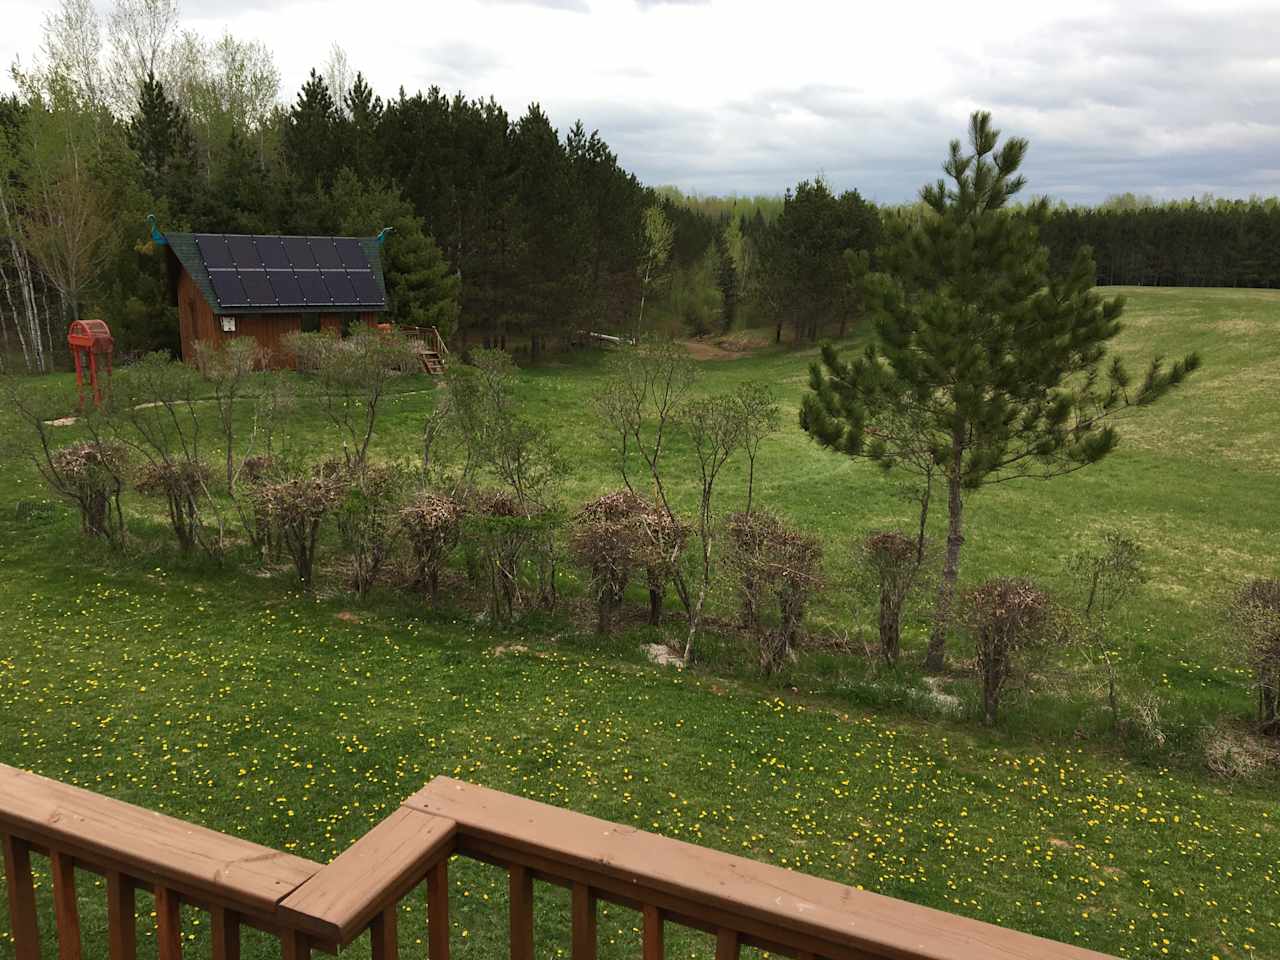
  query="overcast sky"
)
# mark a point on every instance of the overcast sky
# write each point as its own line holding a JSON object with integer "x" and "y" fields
{"x": 1170, "y": 99}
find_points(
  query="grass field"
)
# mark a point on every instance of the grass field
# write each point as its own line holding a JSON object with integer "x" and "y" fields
{"x": 222, "y": 695}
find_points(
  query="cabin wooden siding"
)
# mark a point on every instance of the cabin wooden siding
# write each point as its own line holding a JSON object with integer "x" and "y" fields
{"x": 197, "y": 321}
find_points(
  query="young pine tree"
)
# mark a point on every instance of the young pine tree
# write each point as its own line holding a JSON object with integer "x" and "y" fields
{"x": 1001, "y": 368}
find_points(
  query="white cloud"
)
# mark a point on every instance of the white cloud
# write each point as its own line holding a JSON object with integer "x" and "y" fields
{"x": 1164, "y": 97}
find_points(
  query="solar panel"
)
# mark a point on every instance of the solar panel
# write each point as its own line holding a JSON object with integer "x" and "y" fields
{"x": 213, "y": 250}
{"x": 243, "y": 252}
{"x": 314, "y": 292}
{"x": 299, "y": 251}
{"x": 366, "y": 287}
{"x": 351, "y": 253}
{"x": 257, "y": 289}
{"x": 339, "y": 286}
{"x": 227, "y": 288}
{"x": 271, "y": 251}
{"x": 326, "y": 253}
{"x": 285, "y": 287}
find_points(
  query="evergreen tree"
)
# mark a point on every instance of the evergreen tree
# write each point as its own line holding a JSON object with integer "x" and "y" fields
{"x": 363, "y": 115}
{"x": 727, "y": 281}
{"x": 422, "y": 290}
{"x": 312, "y": 143}
{"x": 998, "y": 369}
{"x": 160, "y": 134}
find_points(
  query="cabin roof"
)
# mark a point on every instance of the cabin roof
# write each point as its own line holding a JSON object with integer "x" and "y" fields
{"x": 270, "y": 273}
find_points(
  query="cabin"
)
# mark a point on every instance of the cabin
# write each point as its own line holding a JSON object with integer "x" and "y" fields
{"x": 264, "y": 287}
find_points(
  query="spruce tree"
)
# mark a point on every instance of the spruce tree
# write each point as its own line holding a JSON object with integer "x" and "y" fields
{"x": 311, "y": 137}
{"x": 160, "y": 135}
{"x": 727, "y": 281}
{"x": 998, "y": 369}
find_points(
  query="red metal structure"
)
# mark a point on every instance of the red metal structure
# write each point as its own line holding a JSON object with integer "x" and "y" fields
{"x": 89, "y": 340}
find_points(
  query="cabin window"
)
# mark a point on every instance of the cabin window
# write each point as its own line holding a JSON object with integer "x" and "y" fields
{"x": 311, "y": 323}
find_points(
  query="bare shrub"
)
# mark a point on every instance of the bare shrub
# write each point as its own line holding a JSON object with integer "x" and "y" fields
{"x": 668, "y": 537}
{"x": 1103, "y": 580}
{"x": 894, "y": 562}
{"x": 90, "y": 475}
{"x": 254, "y": 471}
{"x": 228, "y": 368}
{"x": 1236, "y": 754}
{"x": 517, "y": 452}
{"x": 430, "y": 522}
{"x": 294, "y": 504}
{"x": 1255, "y": 614}
{"x": 352, "y": 376}
{"x": 778, "y": 567}
{"x": 500, "y": 531}
{"x": 1148, "y": 719}
{"x": 368, "y": 520}
{"x": 613, "y": 537}
{"x": 159, "y": 417}
{"x": 182, "y": 484}
{"x": 1005, "y": 617}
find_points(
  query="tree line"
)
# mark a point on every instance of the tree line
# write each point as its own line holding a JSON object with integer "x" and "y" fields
{"x": 1183, "y": 243}
{"x": 507, "y": 232}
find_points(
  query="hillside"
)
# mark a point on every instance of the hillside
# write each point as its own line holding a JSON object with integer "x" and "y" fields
{"x": 232, "y": 700}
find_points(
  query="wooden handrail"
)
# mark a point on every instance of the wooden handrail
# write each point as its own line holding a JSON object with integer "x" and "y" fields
{"x": 740, "y": 902}
{"x": 772, "y": 907}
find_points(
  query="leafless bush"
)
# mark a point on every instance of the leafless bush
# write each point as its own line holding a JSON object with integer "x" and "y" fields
{"x": 294, "y": 504}
{"x": 158, "y": 416}
{"x": 352, "y": 375}
{"x": 1236, "y": 754}
{"x": 613, "y": 537}
{"x": 228, "y": 368}
{"x": 1005, "y": 617}
{"x": 1255, "y": 614}
{"x": 500, "y": 532}
{"x": 1148, "y": 719}
{"x": 894, "y": 562}
{"x": 1103, "y": 580}
{"x": 777, "y": 567}
{"x": 368, "y": 521}
{"x": 182, "y": 484}
{"x": 254, "y": 471}
{"x": 90, "y": 475}
{"x": 431, "y": 523}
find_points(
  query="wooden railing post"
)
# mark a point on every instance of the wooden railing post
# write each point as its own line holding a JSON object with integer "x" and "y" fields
{"x": 383, "y": 935}
{"x": 168, "y": 924}
{"x": 23, "y": 925}
{"x": 584, "y": 923}
{"x": 66, "y": 912}
{"x": 521, "y": 913}
{"x": 294, "y": 946}
{"x": 654, "y": 947}
{"x": 226, "y": 934}
{"x": 727, "y": 944}
{"x": 122, "y": 918}
{"x": 438, "y": 911}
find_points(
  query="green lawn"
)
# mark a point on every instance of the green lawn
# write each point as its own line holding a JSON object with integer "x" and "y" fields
{"x": 223, "y": 696}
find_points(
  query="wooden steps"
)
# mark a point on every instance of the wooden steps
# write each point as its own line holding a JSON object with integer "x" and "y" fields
{"x": 431, "y": 361}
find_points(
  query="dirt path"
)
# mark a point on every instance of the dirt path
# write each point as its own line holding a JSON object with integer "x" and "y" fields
{"x": 717, "y": 349}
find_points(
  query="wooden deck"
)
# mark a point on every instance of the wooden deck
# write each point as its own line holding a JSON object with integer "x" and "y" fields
{"x": 310, "y": 907}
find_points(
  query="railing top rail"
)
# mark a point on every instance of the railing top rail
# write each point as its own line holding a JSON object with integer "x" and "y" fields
{"x": 337, "y": 903}
{"x": 877, "y": 925}
{"x": 149, "y": 846}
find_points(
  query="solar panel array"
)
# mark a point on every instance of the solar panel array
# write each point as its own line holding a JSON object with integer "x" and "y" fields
{"x": 305, "y": 272}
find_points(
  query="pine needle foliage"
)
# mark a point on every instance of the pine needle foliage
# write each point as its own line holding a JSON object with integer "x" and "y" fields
{"x": 1002, "y": 368}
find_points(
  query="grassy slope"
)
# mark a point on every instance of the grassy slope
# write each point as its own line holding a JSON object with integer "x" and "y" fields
{"x": 222, "y": 698}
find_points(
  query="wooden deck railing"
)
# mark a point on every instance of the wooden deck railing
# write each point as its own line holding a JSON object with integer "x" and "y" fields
{"x": 310, "y": 907}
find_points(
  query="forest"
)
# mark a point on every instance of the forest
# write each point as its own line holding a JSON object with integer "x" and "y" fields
{"x": 507, "y": 232}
